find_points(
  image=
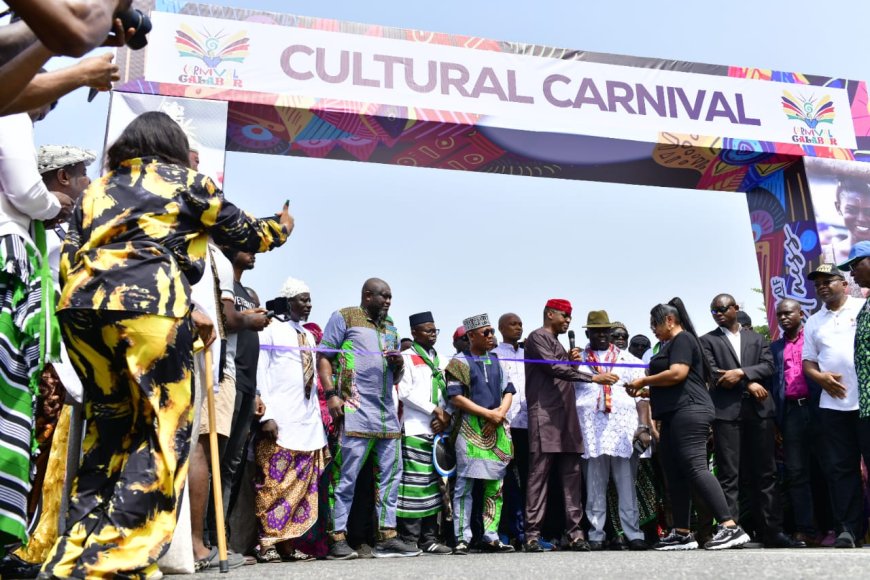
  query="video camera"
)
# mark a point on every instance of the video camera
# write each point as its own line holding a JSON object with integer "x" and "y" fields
{"x": 138, "y": 21}
{"x": 278, "y": 308}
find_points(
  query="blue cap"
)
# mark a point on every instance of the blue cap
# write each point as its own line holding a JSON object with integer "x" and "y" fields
{"x": 859, "y": 251}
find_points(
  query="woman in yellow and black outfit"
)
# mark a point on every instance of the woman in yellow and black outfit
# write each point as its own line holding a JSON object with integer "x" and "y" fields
{"x": 136, "y": 243}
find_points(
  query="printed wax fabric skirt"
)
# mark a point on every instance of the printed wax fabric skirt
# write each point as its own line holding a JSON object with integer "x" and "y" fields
{"x": 479, "y": 456}
{"x": 287, "y": 491}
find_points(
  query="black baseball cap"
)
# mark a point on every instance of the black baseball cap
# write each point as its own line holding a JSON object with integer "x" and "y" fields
{"x": 826, "y": 270}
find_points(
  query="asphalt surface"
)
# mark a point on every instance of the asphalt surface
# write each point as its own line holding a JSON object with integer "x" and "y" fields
{"x": 755, "y": 564}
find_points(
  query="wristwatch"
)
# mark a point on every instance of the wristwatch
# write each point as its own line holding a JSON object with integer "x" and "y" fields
{"x": 332, "y": 393}
{"x": 644, "y": 427}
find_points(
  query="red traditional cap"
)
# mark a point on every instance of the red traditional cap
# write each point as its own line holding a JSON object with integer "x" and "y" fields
{"x": 459, "y": 332}
{"x": 560, "y": 304}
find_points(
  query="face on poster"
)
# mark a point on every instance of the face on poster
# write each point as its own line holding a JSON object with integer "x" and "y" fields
{"x": 840, "y": 191}
{"x": 204, "y": 122}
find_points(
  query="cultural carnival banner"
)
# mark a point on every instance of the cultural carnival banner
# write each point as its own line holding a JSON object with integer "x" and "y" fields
{"x": 330, "y": 89}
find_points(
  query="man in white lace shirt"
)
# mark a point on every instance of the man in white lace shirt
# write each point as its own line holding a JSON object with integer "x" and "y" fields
{"x": 610, "y": 421}
{"x": 510, "y": 356}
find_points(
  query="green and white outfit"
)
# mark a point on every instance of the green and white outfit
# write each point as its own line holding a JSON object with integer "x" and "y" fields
{"x": 422, "y": 389}
{"x": 478, "y": 456}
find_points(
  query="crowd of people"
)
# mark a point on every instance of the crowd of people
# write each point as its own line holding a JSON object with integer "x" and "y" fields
{"x": 348, "y": 440}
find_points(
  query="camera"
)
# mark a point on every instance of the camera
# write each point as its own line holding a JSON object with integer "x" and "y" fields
{"x": 278, "y": 308}
{"x": 137, "y": 20}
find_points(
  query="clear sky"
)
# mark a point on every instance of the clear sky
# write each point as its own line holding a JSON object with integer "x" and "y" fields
{"x": 459, "y": 243}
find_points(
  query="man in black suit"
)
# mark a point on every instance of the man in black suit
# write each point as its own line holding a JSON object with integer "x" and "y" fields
{"x": 796, "y": 397}
{"x": 740, "y": 360}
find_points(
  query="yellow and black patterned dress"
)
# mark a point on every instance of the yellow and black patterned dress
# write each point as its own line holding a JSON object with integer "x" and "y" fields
{"x": 136, "y": 243}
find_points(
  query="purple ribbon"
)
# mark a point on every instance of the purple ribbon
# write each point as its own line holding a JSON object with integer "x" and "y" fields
{"x": 522, "y": 360}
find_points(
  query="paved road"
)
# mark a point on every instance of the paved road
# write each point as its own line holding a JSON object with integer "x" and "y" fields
{"x": 754, "y": 564}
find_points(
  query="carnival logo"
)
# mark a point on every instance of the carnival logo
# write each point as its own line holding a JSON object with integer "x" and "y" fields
{"x": 812, "y": 113}
{"x": 215, "y": 51}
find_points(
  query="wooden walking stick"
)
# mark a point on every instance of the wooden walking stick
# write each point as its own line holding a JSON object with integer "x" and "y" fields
{"x": 215, "y": 466}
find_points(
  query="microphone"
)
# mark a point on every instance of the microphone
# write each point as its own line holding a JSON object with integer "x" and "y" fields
{"x": 572, "y": 345}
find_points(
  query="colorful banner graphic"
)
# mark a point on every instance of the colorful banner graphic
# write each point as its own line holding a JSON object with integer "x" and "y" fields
{"x": 204, "y": 122}
{"x": 841, "y": 200}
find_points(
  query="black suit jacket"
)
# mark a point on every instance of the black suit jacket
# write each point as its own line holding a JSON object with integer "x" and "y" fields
{"x": 776, "y": 382}
{"x": 757, "y": 363}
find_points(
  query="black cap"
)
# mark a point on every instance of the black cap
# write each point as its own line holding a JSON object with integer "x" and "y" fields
{"x": 420, "y": 318}
{"x": 826, "y": 270}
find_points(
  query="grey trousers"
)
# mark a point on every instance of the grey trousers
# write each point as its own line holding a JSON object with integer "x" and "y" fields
{"x": 598, "y": 472}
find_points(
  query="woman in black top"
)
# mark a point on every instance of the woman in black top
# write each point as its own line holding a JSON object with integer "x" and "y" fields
{"x": 677, "y": 389}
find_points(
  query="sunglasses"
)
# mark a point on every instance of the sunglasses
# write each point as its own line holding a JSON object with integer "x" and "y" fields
{"x": 488, "y": 332}
{"x": 721, "y": 309}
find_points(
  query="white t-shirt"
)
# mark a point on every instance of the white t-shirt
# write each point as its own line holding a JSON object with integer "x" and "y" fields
{"x": 226, "y": 278}
{"x": 829, "y": 340}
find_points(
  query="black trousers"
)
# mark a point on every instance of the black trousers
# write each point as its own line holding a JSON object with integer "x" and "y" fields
{"x": 683, "y": 447}
{"x": 847, "y": 439}
{"x": 729, "y": 438}
{"x": 421, "y": 532}
{"x": 513, "y": 512}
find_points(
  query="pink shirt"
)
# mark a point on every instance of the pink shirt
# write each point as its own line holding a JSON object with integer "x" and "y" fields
{"x": 792, "y": 368}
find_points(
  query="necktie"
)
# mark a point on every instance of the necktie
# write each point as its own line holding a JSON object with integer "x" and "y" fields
{"x": 307, "y": 364}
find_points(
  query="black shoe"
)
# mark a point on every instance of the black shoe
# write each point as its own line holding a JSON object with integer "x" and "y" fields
{"x": 436, "y": 548}
{"x": 726, "y": 538}
{"x": 619, "y": 544}
{"x": 595, "y": 546}
{"x": 461, "y": 549}
{"x": 533, "y": 547}
{"x": 638, "y": 545}
{"x": 676, "y": 541}
{"x": 341, "y": 550}
{"x": 781, "y": 540}
{"x": 845, "y": 540}
{"x": 14, "y": 567}
{"x": 395, "y": 548}
{"x": 496, "y": 547}
{"x": 580, "y": 545}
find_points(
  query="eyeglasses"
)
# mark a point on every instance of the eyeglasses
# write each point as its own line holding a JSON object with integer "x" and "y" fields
{"x": 721, "y": 309}
{"x": 488, "y": 332}
{"x": 822, "y": 282}
{"x": 618, "y": 335}
{"x": 433, "y": 331}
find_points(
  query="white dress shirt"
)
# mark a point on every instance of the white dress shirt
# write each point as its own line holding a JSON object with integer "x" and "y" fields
{"x": 280, "y": 378}
{"x": 515, "y": 372}
{"x": 829, "y": 340}
{"x": 734, "y": 339}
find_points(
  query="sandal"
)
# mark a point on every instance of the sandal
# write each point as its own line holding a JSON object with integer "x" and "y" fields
{"x": 204, "y": 564}
{"x": 297, "y": 556}
{"x": 268, "y": 556}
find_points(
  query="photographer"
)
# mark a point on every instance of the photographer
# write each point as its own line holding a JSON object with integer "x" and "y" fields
{"x": 75, "y": 27}
{"x": 69, "y": 28}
